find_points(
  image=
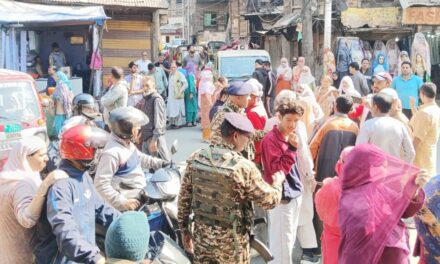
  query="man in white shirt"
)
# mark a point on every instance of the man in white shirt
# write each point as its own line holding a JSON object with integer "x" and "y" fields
{"x": 386, "y": 132}
{"x": 134, "y": 82}
{"x": 142, "y": 63}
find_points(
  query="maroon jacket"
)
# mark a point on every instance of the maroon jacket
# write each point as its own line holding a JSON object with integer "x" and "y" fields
{"x": 279, "y": 155}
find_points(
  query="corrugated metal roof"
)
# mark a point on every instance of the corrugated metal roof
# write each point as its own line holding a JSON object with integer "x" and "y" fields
{"x": 160, "y": 4}
{"x": 287, "y": 21}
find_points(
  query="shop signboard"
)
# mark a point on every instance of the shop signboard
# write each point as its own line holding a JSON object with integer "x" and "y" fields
{"x": 421, "y": 16}
{"x": 373, "y": 17}
{"x": 408, "y": 3}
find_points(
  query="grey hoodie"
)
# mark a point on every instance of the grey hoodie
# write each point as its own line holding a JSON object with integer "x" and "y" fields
{"x": 121, "y": 162}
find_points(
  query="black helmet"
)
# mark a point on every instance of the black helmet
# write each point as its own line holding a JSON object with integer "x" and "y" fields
{"x": 84, "y": 104}
{"x": 123, "y": 119}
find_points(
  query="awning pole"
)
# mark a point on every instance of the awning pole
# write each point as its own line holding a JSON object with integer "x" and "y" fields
{"x": 328, "y": 24}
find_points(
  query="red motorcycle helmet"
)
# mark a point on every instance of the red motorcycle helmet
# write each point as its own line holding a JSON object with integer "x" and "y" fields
{"x": 81, "y": 141}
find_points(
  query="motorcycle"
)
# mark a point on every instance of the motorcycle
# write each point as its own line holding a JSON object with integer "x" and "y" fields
{"x": 159, "y": 202}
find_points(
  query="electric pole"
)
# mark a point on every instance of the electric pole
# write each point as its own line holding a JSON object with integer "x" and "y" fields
{"x": 308, "y": 8}
{"x": 285, "y": 44}
{"x": 328, "y": 24}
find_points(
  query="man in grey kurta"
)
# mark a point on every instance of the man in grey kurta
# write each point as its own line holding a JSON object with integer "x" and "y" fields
{"x": 117, "y": 94}
{"x": 160, "y": 78}
{"x": 153, "y": 133}
{"x": 359, "y": 81}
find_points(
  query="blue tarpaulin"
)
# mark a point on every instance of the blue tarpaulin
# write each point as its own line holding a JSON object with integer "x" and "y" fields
{"x": 12, "y": 12}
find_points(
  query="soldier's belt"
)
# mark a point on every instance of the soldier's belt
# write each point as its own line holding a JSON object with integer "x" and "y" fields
{"x": 213, "y": 220}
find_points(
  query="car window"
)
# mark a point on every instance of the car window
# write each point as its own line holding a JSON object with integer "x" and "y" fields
{"x": 236, "y": 67}
{"x": 18, "y": 101}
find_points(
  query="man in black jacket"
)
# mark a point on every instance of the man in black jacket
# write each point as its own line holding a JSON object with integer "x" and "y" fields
{"x": 262, "y": 76}
{"x": 269, "y": 94}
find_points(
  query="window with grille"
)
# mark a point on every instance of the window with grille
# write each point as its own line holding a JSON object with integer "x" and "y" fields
{"x": 210, "y": 19}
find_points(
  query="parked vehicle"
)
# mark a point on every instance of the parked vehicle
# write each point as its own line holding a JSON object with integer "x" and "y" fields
{"x": 238, "y": 65}
{"x": 21, "y": 112}
{"x": 177, "y": 54}
{"x": 216, "y": 45}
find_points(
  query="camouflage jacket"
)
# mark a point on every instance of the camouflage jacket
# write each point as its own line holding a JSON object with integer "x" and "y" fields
{"x": 216, "y": 135}
{"x": 247, "y": 185}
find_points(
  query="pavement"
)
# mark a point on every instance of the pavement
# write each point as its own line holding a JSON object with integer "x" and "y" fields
{"x": 190, "y": 139}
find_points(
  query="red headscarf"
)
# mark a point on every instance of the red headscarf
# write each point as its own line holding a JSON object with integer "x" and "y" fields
{"x": 376, "y": 190}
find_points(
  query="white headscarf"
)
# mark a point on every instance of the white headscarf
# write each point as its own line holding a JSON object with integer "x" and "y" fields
{"x": 306, "y": 76}
{"x": 351, "y": 91}
{"x": 284, "y": 69}
{"x": 257, "y": 87}
{"x": 17, "y": 166}
{"x": 306, "y": 93}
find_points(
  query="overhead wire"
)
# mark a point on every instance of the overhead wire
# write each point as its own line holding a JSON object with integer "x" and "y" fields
{"x": 264, "y": 20}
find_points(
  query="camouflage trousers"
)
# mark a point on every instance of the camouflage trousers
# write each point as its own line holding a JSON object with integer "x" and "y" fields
{"x": 216, "y": 245}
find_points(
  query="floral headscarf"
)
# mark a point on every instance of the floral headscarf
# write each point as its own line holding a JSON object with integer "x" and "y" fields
{"x": 63, "y": 92}
{"x": 427, "y": 220}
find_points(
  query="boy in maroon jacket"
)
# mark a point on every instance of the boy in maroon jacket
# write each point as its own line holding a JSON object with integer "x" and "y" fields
{"x": 279, "y": 154}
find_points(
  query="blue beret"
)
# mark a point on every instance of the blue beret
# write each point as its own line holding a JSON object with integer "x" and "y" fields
{"x": 239, "y": 88}
{"x": 240, "y": 122}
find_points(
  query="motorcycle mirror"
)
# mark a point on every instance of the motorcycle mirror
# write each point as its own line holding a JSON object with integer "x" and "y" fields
{"x": 174, "y": 147}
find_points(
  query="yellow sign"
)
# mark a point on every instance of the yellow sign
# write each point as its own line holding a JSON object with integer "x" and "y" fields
{"x": 421, "y": 16}
{"x": 373, "y": 17}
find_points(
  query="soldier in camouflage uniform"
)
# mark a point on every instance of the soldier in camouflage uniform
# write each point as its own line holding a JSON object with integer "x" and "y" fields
{"x": 218, "y": 188}
{"x": 238, "y": 99}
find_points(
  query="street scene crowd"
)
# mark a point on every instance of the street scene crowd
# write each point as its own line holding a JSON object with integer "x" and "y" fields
{"x": 344, "y": 165}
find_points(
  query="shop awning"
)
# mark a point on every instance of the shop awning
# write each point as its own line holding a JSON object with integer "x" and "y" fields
{"x": 381, "y": 33}
{"x": 12, "y": 12}
{"x": 287, "y": 21}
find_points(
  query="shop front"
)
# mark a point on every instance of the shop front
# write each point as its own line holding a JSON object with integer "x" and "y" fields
{"x": 376, "y": 34}
{"x": 387, "y": 36}
{"x": 427, "y": 20}
{"x": 35, "y": 36}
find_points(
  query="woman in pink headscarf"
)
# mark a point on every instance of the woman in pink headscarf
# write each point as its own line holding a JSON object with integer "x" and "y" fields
{"x": 327, "y": 206}
{"x": 377, "y": 191}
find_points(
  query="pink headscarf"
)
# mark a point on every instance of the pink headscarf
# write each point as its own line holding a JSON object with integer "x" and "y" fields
{"x": 375, "y": 194}
{"x": 327, "y": 205}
